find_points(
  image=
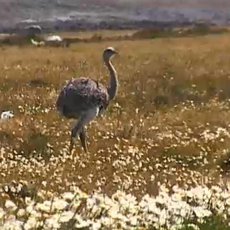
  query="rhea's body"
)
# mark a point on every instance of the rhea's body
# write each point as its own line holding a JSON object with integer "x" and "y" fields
{"x": 81, "y": 95}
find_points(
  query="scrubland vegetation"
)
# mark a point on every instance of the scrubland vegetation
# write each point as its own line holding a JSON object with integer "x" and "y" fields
{"x": 159, "y": 156}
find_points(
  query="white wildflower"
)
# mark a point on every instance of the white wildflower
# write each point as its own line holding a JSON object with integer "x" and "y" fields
{"x": 52, "y": 222}
{"x": 66, "y": 216}
{"x": 21, "y": 212}
{"x": 69, "y": 196}
{"x": 12, "y": 225}
{"x": 201, "y": 212}
{"x": 6, "y": 115}
{"x": 45, "y": 206}
{"x": 10, "y": 205}
{"x": 59, "y": 204}
{"x": 31, "y": 223}
{"x": 83, "y": 224}
{"x": 133, "y": 220}
{"x": 2, "y": 213}
{"x": 96, "y": 225}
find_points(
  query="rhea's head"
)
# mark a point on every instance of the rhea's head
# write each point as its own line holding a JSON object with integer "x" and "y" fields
{"x": 108, "y": 53}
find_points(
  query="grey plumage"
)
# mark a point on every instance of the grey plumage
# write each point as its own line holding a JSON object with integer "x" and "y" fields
{"x": 79, "y": 95}
{"x": 84, "y": 99}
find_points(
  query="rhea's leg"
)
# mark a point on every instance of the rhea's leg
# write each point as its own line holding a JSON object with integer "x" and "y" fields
{"x": 82, "y": 136}
{"x": 71, "y": 144}
{"x": 79, "y": 127}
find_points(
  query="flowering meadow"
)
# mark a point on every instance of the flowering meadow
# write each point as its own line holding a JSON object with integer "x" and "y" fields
{"x": 158, "y": 157}
{"x": 192, "y": 208}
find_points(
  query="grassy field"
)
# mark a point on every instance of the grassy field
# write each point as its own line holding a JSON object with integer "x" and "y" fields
{"x": 169, "y": 125}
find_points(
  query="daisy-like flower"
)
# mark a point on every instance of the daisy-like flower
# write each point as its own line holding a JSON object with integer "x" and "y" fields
{"x": 66, "y": 216}
{"x": 10, "y": 205}
{"x": 31, "y": 223}
{"x": 2, "y": 213}
{"x": 201, "y": 212}
{"x": 68, "y": 196}
{"x": 52, "y": 222}
{"x": 59, "y": 204}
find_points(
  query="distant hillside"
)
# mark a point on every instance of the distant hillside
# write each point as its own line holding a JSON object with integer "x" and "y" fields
{"x": 80, "y": 14}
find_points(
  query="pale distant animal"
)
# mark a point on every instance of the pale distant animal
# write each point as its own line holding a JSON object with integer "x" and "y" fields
{"x": 33, "y": 30}
{"x": 84, "y": 99}
{"x": 6, "y": 115}
{"x": 37, "y": 43}
{"x": 54, "y": 38}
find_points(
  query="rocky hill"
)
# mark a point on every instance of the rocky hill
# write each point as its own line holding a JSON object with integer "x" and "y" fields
{"x": 90, "y": 14}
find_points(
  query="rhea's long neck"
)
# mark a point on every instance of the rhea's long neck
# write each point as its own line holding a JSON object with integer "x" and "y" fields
{"x": 113, "y": 85}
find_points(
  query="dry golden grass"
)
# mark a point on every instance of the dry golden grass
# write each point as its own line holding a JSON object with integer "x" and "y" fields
{"x": 169, "y": 123}
{"x": 102, "y": 33}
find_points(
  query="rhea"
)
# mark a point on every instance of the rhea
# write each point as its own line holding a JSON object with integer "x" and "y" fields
{"x": 84, "y": 99}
